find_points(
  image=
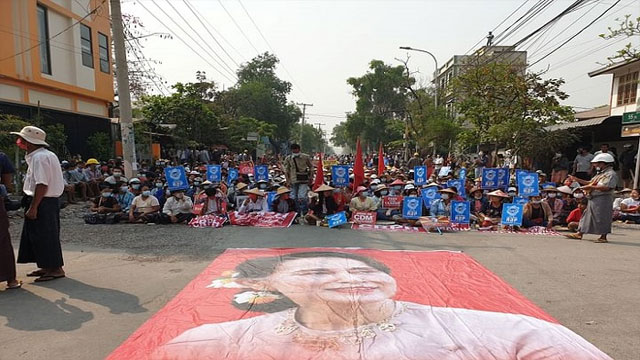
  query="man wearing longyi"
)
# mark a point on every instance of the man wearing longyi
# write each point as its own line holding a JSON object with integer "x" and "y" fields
{"x": 335, "y": 306}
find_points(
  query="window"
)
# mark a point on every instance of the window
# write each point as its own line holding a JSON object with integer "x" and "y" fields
{"x": 43, "y": 39}
{"x": 85, "y": 44}
{"x": 627, "y": 89}
{"x": 103, "y": 51}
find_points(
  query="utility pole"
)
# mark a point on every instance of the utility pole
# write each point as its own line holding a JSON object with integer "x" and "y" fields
{"x": 304, "y": 112}
{"x": 124, "y": 97}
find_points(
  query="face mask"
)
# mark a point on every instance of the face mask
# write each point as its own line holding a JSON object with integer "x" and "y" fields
{"x": 178, "y": 195}
{"x": 511, "y": 193}
{"x": 364, "y": 194}
{"x": 135, "y": 186}
{"x": 167, "y": 192}
{"x": 262, "y": 186}
{"x": 397, "y": 188}
{"x": 551, "y": 195}
{"x": 578, "y": 195}
{"x": 536, "y": 201}
{"x": 384, "y": 193}
{"x": 196, "y": 183}
{"x": 106, "y": 194}
{"x": 117, "y": 174}
{"x": 159, "y": 185}
{"x": 336, "y": 191}
{"x": 598, "y": 168}
{"x": 146, "y": 193}
{"x": 444, "y": 196}
{"x": 413, "y": 194}
{"x": 477, "y": 197}
{"x": 21, "y": 144}
{"x": 124, "y": 189}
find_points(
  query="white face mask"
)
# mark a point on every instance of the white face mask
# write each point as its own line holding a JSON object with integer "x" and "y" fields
{"x": 511, "y": 193}
{"x": 536, "y": 201}
{"x": 444, "y": 196}
{"x": 598, "y": 168}
{"x": 551, "y": 195}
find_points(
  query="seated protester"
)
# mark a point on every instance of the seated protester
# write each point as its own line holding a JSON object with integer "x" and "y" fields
{"x": 383, "y": 213}
{"x": 159, "y": 192}
{"x": 263, "y": 185}
{"x": 362, "y": 201}
{"x": 116, "y": 175}
{"x": 283, "y": 203}
{"x": 573, "y": 220}
{"x": 106, "y": 203}
{"x": 256, "y": 202}
{"x": 630, "y": 208}
{"x": 124, "y": 196}
{"x": 144, "y": 207}
{"x": 477, "y": 202}
{"x": 195, "y": 188}
{"x": 395, "y": 188}
{"x": 135, "y": 186}
{"x": 76, "y": 179}
{"x": 512, "y": 192}
{"x": 568, "y": 205}
{"x": 491, "y": 213}
{"x": 234, "y": 193}
{"x": 553, "y": 201}
{"x": 442, "y": 206}
{"x": 341, "y": 199}
{"x": 177, "y": 208}
{"x": 70, "y": 191}
{"x": 622, "y": 194}
{"x": 537, "y": 213}
{"x": 321, "y": 204}
{"x": 93, "y": 175}
{"x": 214, "y": 201}
{"x": 409, "y": 191}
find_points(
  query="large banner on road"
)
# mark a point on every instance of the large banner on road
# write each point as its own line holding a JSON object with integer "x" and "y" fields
{"x": 329, "y": 303}
{"x": 262, "y": 219}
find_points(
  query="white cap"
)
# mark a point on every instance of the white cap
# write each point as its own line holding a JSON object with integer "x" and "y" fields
{"x": 604, "y": 157}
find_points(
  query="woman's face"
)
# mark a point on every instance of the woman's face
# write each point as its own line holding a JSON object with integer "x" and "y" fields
{"x": 335, "y": 280}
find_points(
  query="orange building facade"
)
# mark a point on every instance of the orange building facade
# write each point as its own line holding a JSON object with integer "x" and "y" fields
{"x": 55, "y": 60}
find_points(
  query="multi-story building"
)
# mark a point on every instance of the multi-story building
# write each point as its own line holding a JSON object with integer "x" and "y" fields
{"x": 456, "y": 65}
{"x": 55, "y": 61}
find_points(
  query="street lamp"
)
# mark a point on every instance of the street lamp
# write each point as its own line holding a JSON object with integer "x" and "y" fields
{"x": 436, "y": 72}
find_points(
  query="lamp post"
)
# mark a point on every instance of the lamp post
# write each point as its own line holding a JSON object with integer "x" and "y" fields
{"x": 435, "y": 73}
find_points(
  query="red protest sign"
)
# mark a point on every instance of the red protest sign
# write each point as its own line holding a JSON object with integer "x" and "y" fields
{"x": 364, "y": 217}
{"x": 392, "y": 202}
{"x": 245, "y": 167}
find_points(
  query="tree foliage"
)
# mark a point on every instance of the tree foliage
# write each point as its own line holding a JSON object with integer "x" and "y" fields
{"x": 501, "y": 105}
{"x": 627, "y": 28}
{"x": 100, "y": 145}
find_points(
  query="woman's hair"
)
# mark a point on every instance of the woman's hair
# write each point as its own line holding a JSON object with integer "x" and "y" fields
{"x": 263, "y": 267}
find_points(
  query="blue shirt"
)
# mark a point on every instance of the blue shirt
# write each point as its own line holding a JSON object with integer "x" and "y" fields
{"x": 125, "y": 200}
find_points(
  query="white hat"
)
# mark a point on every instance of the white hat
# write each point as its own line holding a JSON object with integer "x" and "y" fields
{"x": 604, "y": 157}
{"x": 33, "y": 135}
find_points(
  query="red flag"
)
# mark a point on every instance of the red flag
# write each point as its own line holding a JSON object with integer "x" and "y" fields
{"x": 380, "y": 161}
{"x": 319, "y": 180}
{"x": 358, "y": 167}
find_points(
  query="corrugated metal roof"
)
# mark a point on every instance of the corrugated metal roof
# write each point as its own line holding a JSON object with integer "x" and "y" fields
{"x": 577, "y": 124}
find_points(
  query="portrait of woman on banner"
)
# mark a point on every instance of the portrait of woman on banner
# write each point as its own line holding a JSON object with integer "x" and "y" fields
{"x": 334, "y": 306}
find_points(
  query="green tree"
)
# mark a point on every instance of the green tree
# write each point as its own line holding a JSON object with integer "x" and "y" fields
{"x": 239, "y": 128}
{"x": 100, "y": 146}
{"x": 9, "y": 123}
{"x": 312, "y": 138}
{"x": 627, "y": 28}
{"x": 501, "y": 105}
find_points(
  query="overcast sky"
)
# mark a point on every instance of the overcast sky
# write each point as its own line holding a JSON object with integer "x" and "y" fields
{"x": 321, "y": 43}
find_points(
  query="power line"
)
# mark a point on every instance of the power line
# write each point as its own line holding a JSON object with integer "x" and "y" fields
{"x": 238, "y": 26}
{"x": 184, "y": 42}
{"x": 497, "y": 26}
{"x": 578, "y": 33}
{"x": 200, "y": 37}
{"x": 293, "y": 80}
{"x": 57, "y": 34}
{"x": 207, "y": 29}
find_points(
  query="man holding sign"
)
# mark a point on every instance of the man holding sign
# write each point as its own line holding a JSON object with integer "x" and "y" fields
{"x": 298, "y": 170}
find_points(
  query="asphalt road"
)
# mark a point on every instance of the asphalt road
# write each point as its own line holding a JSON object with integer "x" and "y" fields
{"x": 120, "y": 275}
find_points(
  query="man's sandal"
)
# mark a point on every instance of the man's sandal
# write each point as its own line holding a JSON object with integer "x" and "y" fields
{"x": 574, "y": 236}
{"x": 601, "y": 241}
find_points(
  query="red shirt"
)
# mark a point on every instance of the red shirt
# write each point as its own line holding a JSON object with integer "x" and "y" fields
{"x": 575, "y": 215}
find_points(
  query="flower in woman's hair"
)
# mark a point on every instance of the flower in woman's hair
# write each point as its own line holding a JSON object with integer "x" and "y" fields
{"x": 226, "y": 281}
{"x": 255, "y": 297}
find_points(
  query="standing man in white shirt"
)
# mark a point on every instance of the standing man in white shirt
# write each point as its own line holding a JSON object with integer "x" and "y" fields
{"x": 43, "y": 185}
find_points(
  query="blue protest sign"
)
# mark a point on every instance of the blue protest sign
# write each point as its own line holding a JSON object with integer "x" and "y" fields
{"x": 411, "y": 207}
{"x": 261, "y": 172}
{"x": 548, "y": 184}
{"x": 420, "y": 175}
{"x": 176, "y": 178}
{"x": 511, "y": 214}
{"x": 460, "y": 212}
{"x": 337, "y": 219}
{"x": 520, "y": 172}
{"x": 340, "y": 175}
{"x": 270, "y": 196}
{"x": 489, "y": 178}
{"x": 462, "y": 174}
{"x": 214, "y": 173}
{"x": 520, "y": 200}
{"x": 459, "y": 185}
{"x": 503, "y": 177}
{"x": 528, "y": 184}
{"x": 232, "y": 175}
{"x": 429, "y": 195}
